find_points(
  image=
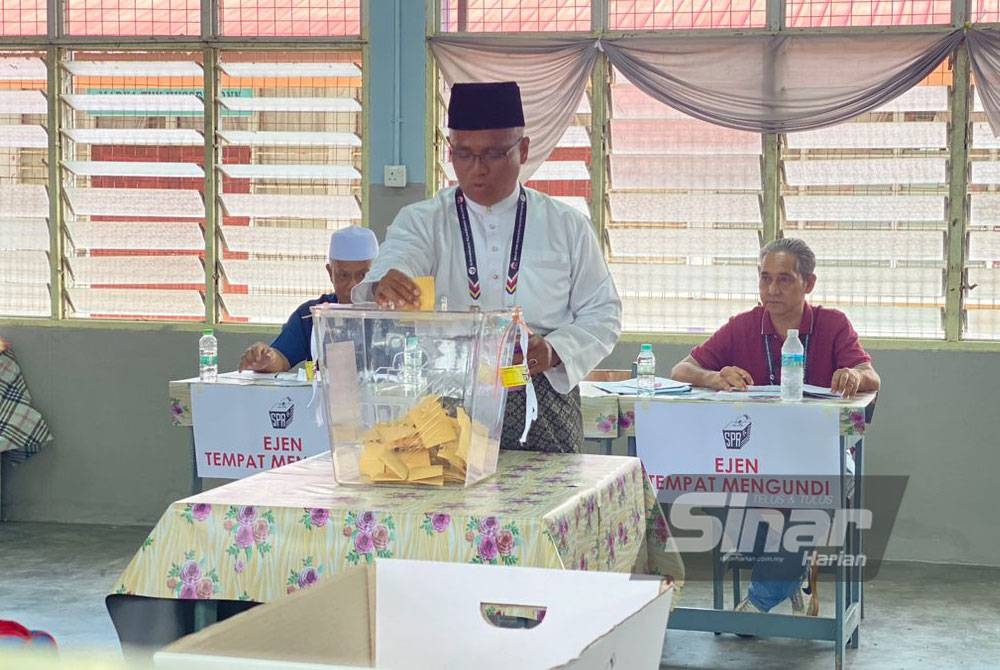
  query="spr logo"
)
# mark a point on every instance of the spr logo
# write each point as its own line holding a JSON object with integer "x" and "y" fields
{"x": 282, "y": 413}
{"x": 736, "y": 433}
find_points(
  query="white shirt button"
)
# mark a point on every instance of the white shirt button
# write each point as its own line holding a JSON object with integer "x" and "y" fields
{"x": 496, "y": 248}
{"x": 496, "y": 276}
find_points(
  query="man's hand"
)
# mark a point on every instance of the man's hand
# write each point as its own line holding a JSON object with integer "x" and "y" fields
{"x": 541, "y": 356}
{"x": 732, "y": 378}
{"x": 260, "y": 357}
{"x": 846, "y": 381}
{"x": 397, "y": 291}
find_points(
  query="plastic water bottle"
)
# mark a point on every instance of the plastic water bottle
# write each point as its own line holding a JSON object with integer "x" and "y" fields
{"x": 412, "y": 365}
{"x": 208, "y": 356}
{"x": 645, "y": 371}
{"x": 792, "y": 366}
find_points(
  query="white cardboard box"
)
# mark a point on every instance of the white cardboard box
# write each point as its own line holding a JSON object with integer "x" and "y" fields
{"x": 401, "y": 614}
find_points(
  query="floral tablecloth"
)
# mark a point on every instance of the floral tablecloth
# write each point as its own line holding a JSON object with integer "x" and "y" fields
{"x": 23, "y": 431}
{"x": 283, "y": 530}
{"x": 601, "y": 415}
{"x": 607, "y": 416}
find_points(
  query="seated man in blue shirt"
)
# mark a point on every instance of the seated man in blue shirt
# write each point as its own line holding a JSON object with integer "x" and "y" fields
{"x": 352, "y": 250}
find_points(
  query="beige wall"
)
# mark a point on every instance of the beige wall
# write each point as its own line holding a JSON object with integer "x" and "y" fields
{"x": 116, "y": 458}
{"x": 937, "y": 423}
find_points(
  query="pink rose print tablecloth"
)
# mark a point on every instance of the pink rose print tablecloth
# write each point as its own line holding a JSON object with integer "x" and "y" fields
{"x": 607, "y": 416}
{"x": 280, "y": 531}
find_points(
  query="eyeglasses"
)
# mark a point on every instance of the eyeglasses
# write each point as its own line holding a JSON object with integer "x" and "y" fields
{"x": 491, "y": 157}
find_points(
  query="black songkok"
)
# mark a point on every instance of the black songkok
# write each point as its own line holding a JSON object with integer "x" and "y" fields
{"x": 490, "y": 106}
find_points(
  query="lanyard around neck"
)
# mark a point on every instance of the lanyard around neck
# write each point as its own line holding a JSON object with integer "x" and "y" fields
{"x": 805, "y": 347}
{"x": 770, "y": 363}
{"x": 471, "y": 267}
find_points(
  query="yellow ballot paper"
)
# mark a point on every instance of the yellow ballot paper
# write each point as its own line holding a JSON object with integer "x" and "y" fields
{"x": 427, "y": 446}
{"x": 427, "y": 294}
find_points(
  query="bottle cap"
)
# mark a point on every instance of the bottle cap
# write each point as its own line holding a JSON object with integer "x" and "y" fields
{"x": 207, "y": 331}
{"x": 646, "y": 347}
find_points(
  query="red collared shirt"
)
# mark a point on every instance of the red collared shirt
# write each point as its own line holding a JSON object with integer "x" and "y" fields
{"x": 833, "y": 344}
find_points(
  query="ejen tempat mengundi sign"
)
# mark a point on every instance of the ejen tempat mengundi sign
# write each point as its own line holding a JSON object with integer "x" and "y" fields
{"x": 240, "y": 431}
{"x": 778, "y": 454}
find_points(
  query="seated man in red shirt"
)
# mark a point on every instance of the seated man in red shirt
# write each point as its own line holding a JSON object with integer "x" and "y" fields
{"x": 747, "y": 351}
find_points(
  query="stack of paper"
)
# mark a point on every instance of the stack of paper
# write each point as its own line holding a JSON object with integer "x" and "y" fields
{"x": 264, "y": 378}
{"x": 774, "y": 391}
{"x": 810, "y": 391}
{"x": 630, "y": 387}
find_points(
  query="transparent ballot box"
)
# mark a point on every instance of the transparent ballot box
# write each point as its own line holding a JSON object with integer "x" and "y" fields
{"x": 413, "y": 397}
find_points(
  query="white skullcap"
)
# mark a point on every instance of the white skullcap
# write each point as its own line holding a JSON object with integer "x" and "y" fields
{"x": 353, "y": 243}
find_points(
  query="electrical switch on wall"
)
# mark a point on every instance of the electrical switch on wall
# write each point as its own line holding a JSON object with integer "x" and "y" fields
{"x": 395, "y": 176}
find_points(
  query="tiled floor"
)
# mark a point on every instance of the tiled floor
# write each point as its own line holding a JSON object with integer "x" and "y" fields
{"x": 55, "y": 577}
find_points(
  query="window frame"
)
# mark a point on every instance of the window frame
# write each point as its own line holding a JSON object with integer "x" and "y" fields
{"x": 211, "y": 44}
{"x": 957, "y": 208}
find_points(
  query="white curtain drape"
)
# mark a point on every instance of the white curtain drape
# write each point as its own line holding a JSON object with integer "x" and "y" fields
{"x": 779, "y": 83}
{"x": 984, "y": 56}
{"x": 552, "y": 75}
{"x": 766, "y": 83}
